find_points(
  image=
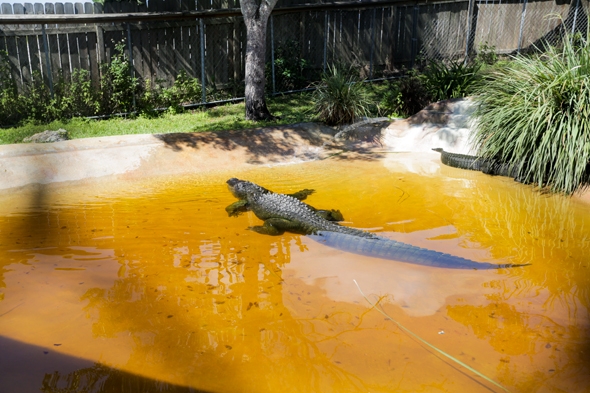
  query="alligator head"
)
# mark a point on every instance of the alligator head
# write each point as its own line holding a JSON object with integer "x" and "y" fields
{"x": 242, "y": 188}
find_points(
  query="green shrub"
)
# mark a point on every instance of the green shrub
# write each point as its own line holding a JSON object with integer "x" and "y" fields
{"x": 117, "y": 86}
{"x": 486, "y": 54}
{"x": 185, "y": 90}
{"x": 37, "y": 98}
{"x": 340, "y": 98}
{"x": 12, "y": 110}
{"x": 535, "y": 111}
{"x": 79, "y": 97}
{"x": 453, "y": 80}
{"x": 290, "y": 67}
{"x": 405, "y": 96}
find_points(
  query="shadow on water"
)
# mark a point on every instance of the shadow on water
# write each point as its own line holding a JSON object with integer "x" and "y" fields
{"x": 31, "y": 368}
{"x": 23, "y": 227}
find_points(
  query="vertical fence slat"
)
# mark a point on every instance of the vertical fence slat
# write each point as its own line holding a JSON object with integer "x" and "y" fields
{"x": 32, "y": 43}
{"x": 10, "y": 46}
{"x": 22, "y": 48}
{"x": 147, "y": 54}
{"x": 380, "y": 41}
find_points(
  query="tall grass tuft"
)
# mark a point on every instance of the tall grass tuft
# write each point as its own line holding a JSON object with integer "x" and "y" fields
{"x": 534, "y": 113}
{"x": 340, "y": 97}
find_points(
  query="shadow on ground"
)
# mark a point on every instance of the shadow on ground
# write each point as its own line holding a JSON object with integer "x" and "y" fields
{"x": 258, "y": 142}
{"x": 307, "y": 141}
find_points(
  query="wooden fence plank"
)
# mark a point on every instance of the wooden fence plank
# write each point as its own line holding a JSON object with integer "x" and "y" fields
{"x": 136, "y": 45}
{"x": 32, "y": 40}
{"x": 147, "y": 53}
{"x": 11, "y": 49}
{"x": 73, "y": 42}
{"x": 216, "y": 64}
{"x": 161, "y": 49}
{"x": 22, "y": 49}
{"x": 187, "y": 50}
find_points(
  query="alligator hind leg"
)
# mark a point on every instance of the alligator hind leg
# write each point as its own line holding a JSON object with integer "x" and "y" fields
{"x": 274, "y": 226}
{"x": 330, "y": 215}
{"x": 301, "y": 195}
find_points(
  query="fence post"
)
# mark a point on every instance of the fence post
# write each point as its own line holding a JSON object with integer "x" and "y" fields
{"x": 325, "y": 39}
{"x": 131, "y": 68}
{"x": 47, "y": 60}
{"x": 576, "y": 17}
{"x": 522, "y": 18}
{"x": 272, "y": 53}
{"x": 414, "y": 34}
{"x": 470, "y": 11}
{"x": 372, "y": 44}
{"x": 203, "y": 86}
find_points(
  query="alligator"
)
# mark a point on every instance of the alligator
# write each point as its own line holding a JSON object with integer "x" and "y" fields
{"x": 287, "y": 212}
{"x": 488, "y": 166}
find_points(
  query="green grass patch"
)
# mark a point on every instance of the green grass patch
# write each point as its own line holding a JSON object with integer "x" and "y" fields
{"x": 290, "y": 108}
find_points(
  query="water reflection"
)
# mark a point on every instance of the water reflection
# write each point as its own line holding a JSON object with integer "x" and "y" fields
{"x": 103, "y": 379}
{"x": 165, "y": 287}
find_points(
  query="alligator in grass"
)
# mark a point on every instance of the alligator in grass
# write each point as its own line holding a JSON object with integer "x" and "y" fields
{"x": 486, "y": 165}
{"x": 281, "y": 212}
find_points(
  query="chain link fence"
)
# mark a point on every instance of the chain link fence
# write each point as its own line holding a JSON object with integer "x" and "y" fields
{"x": 376, "y": 41}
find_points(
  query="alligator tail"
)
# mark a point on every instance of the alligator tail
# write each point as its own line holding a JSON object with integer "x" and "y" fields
{"x": 381, "y": 247}
{"x": 486, "y": 165}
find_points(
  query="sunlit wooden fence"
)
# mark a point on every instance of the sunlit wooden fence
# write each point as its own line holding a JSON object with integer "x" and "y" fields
{"x": 206, "y": 39}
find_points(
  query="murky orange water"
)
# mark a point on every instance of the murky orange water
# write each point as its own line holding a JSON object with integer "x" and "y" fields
{"x": 150, "y": 286}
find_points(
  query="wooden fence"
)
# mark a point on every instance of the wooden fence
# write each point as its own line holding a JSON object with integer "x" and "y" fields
{"x": 206, "y": 39}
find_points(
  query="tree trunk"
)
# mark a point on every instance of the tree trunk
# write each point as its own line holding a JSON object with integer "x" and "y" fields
{"x": 256, "y": 20}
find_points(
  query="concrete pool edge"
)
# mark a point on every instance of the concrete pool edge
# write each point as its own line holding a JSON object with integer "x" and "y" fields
{"x": 147, "y": 155}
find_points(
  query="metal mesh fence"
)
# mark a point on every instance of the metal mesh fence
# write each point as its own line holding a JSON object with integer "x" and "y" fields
{"x": 509, "y": 27}
{"x": 375, "y": 41}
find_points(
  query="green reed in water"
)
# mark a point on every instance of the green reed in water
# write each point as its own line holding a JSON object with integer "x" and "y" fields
{"x": 374, "y": 305}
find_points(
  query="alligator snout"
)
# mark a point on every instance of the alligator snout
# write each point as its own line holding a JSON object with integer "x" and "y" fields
{"x": 233, "y": 181}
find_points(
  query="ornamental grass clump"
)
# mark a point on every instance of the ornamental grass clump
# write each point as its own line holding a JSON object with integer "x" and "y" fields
{"x": 340, "y": 98}
{"x": 534, "y": 113}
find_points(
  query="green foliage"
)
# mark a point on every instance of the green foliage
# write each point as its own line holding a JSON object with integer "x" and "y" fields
{"x": 117, "y": 86}
{"x": 407, "y": 95}
{"x": 535, "y": 111}
{"x": 291, "y": 108}
{"x": 37, "y": 98}
{"x": 185, "y": 90}
{"x": 78, "y": 97}
{"x": 340, "y": 98}
{"x": 486, "y": 54}
{"x": 81, "y": 99}
{"x": 439, "y": 81}
{"x": 289, "y": 67}
{"x": 11, "y": 111}
{"x": 453, "y": 80}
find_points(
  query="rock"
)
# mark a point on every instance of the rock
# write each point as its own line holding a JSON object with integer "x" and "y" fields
{"x": 48, "y": 136}
{"x": 367, "y": 130}
{"x": 445, "y": 124}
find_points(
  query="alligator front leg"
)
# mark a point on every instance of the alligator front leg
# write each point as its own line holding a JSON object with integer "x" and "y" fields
{"x": 236, "y": 208}
{"x": 275, "y": 226}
